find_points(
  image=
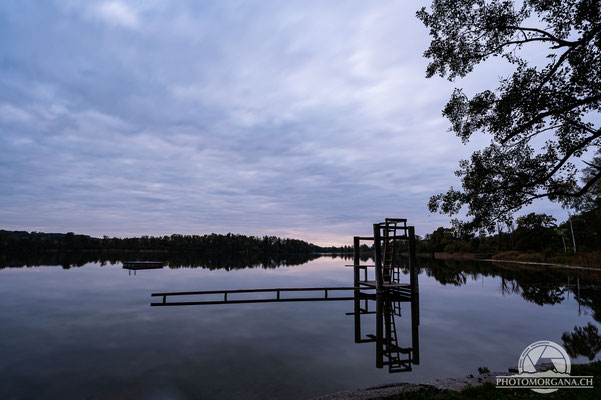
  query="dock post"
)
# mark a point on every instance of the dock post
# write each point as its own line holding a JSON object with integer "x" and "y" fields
{"x": 415, "y": 328}
{"x": 386, "y": 268}
{"x": 356, "y": 260}
{"x": 357, "y": 315}
{"x": 379, "y": 330}
{"x": 378, "y": 259}
{"x": 412, "y": 260}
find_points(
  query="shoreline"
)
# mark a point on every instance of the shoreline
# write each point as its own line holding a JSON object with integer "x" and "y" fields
{"x": 430, "y": 387}
{"x": 479, "y": 386}
{"x": 540, "y": 263}
{"x": 460, "y": 256}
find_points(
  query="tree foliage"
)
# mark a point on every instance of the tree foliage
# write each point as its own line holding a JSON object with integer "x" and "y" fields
{"x": 541, "y": 119}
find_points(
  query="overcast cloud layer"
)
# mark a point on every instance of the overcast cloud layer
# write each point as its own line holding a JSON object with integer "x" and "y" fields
{"x": 307, "y": 119}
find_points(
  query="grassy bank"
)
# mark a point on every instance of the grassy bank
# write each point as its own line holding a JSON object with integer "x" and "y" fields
{"x": 588, "y": 259}
{"x": 489, "y": 391}
{"x": 458, "y": 255}
{"x": 584, "y": 259}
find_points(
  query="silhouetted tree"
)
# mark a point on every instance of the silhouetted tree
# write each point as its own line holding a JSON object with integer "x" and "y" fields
{"x": 535, "y": 232}
{"x": 539, "y": 118}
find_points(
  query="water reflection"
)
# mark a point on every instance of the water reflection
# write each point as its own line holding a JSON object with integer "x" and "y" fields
{"x": 583, "y": 341}
{"x": 172, "y": 259}
{"x": 537, "y": 284}
{"x": 88, "y": 332}
{"x": 389, "y": 350}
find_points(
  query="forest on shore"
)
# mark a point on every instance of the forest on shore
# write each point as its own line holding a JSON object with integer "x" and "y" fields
{"x": 205, "y": 244}
{"x": 534, "y": 237}
{"x": 532, "y": 232}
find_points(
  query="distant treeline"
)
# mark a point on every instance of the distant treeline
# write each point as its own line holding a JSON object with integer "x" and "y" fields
{"x": 531, "y": 233}
{"x": 213, "y": 244}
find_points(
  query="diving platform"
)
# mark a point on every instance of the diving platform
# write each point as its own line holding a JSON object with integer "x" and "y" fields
{"x": 393, "y": 244}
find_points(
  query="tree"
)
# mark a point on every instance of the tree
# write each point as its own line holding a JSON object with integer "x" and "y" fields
{"x": 541, "y": 118}
{"x": 439, "y": 239}
{"x": 535, "y": 232}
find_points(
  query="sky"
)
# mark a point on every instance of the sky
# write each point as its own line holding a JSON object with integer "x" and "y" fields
{"x": 304, "y": 119}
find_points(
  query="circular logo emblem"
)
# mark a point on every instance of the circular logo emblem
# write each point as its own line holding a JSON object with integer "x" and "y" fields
{"x": 550, "y": 358}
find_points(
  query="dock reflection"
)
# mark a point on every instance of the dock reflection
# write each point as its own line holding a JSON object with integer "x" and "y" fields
{"x": 392, "y": 348}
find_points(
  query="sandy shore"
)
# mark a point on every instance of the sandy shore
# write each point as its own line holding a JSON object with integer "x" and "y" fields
{"x": 433, "y": 386}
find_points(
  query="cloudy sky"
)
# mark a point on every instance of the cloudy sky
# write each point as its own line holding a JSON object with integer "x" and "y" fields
{"x": 307, "y": 119}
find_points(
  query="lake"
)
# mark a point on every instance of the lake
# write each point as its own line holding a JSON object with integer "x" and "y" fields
{"x": 89, "y": 332}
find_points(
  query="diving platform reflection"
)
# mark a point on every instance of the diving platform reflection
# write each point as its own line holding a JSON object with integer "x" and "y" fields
{"x": 390, "y": 352}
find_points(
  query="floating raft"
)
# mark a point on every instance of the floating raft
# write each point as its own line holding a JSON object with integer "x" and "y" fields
{"x": 142, "y": 264}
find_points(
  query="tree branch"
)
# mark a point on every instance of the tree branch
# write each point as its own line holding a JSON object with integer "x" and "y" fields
{"x": 556, "y": 168}
{"x": 541, "y": 116}
{"x": 568, "y": 155}
{"x": 517, "y": 42}
{"x": 554, "y": 69}
{"x": 579, "y": 193}
{"x": 527, "y": 138}
{"x": 597, "y": 167}
{"x": 580, "y": 125}
{"x": 549, "y": 36}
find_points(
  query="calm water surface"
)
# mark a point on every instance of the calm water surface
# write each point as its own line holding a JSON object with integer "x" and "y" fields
{"x": 89, "y": 332}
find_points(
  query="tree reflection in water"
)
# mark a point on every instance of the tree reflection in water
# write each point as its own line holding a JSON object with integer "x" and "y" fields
{"x": 537, "y": 284}
{"x": 583, "y": 341}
